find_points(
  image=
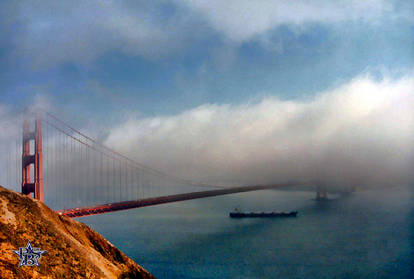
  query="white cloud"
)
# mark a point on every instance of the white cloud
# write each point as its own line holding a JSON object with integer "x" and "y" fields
{"x": 50, "y": 32}
{"x": 360, "y": 133}
{"x": 241, "y": 20}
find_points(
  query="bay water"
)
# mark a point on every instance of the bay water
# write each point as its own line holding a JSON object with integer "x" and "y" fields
{"x": 368, "y": 234}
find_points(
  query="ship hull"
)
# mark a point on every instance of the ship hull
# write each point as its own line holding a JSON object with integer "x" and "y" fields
{"x": 262, "y": 215}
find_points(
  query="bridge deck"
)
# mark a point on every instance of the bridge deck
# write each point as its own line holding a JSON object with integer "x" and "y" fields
{"x": 105, "y": 208}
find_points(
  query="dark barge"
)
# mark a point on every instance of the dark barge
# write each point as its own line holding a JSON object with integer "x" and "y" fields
{"x": 262, "y": 214}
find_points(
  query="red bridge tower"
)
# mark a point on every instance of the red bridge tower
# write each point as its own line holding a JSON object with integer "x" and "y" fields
{"x": 28, "y": 159}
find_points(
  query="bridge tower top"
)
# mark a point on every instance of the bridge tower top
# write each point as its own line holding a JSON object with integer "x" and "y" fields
{"x": 29, "y": 158}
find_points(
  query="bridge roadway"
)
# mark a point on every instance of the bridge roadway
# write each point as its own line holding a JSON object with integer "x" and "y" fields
{"x": 110, "y": 207}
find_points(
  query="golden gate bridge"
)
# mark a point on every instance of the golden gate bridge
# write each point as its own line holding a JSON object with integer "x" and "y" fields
{"x": 78, "y": 176}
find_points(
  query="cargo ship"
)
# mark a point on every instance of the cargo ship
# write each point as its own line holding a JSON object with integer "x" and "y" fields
{"x": 238, "y": 214}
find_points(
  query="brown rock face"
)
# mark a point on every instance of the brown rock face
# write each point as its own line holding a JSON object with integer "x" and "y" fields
{"x": 73, "y": 249}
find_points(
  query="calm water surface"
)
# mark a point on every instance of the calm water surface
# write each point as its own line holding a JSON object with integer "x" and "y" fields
{"x": 365, "y": 235}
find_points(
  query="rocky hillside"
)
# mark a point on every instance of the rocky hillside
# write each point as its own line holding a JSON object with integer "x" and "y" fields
{"x": 73, "y": 249}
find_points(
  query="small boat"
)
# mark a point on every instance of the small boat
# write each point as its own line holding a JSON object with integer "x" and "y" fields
{"x": 238, "y": 214}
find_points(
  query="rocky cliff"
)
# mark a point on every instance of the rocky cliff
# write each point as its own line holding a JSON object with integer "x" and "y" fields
{"x": 73, "y": 249}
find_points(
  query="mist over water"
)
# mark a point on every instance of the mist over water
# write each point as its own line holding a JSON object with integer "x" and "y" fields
{"x": 364, "y": 235}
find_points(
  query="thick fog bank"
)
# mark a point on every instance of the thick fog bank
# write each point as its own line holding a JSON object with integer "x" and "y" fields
{"x": 360, "y": 133}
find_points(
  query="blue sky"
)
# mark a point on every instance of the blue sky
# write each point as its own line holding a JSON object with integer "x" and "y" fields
{"x": 164, "y": 57}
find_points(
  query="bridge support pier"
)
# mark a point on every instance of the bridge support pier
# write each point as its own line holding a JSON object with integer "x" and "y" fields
{"x": 28, "y": 158}
{"x": 321, "y": 193}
